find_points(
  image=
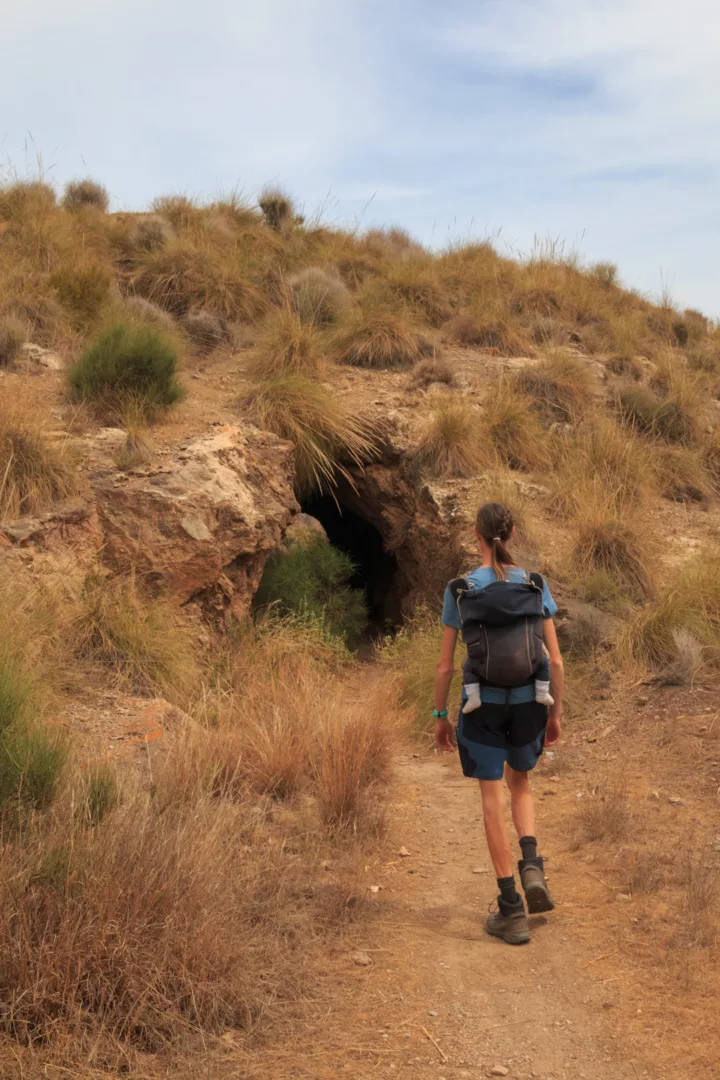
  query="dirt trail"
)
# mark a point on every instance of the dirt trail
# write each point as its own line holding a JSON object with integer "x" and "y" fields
{"x": 537, "y": 1011}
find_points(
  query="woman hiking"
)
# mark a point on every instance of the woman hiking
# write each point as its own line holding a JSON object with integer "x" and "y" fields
{"x": 502, "y": 733}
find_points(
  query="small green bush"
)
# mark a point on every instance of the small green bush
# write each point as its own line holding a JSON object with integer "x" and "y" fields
{"x": 312, "y": 577}
{"x": 31, "y": 758}
{"x": 128, "y": 362}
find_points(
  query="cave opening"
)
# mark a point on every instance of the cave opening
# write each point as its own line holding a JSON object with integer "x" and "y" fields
{"x": 376, "y": 569}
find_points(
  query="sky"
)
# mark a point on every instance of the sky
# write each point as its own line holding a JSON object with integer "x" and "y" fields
{"x": 593, "y": 125}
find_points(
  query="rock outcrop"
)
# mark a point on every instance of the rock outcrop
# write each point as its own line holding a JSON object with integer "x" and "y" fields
{"x": 201, "y": 523}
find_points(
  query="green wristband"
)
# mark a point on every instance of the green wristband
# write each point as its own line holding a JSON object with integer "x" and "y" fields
{"x": 440, "y": 715}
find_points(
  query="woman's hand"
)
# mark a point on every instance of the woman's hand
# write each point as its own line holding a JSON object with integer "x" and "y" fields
{"x": 553, "y": 731}
{"x": 444, "y": 735}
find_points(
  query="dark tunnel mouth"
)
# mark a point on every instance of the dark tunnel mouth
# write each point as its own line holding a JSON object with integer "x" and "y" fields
{"x": 377, "y": 571}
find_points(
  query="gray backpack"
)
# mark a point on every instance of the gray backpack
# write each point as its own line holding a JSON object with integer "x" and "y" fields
{"x": 502, "y": 629}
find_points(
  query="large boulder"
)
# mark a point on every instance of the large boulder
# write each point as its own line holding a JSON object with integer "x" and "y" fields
{"x": 202, "y": 522}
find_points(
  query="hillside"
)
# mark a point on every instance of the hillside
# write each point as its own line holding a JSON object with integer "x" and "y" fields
{"x": 176, "y": 387}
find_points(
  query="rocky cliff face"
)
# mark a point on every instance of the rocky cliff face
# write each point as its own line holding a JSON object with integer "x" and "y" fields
{"x": 199, "y": 524}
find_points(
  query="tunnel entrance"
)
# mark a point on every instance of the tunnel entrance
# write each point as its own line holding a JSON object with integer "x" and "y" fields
{"x": 377, "y": 572}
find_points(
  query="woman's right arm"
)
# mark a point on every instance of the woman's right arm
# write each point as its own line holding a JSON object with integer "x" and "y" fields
{"x": 443, "y": 678}
{"x": 557, "y": 682}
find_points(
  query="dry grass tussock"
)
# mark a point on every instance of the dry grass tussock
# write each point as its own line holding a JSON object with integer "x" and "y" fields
{"x": 286, "y": 345}
{"x": 450, "y": 444}
{"x": 691, "y": 603}
{"x": 605, "y": 814}
{"x": 81, "y": 194}
{"x": 155, "y": 918}
{"x": 372, "y": 336}
{"x": 511, "y": 432}
{"x": 329, "y": 437}
{"x": 435, "y": 369}
{"x": 606, "y": 543}
{"x": 34, "y": 472}
{"x": 318, "y": 295}
{"x": 139, "y": 638}
{"x": 561, "y": 386}
{"x": 603, "y": 461}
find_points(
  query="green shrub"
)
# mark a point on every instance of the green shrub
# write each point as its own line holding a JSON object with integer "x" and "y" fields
{"x": 312, "y": 577}
{"x": 31, "y": 757}
{"x": 277, "y": 207}
{"x": 127, "y": 361}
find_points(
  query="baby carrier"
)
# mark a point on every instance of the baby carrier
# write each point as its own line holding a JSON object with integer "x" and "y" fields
{"x": 502, "y": 629}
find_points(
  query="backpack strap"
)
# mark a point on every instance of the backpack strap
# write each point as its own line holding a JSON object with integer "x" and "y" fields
{"x": 457, "y": 586}
{"x": 537, "y": 581}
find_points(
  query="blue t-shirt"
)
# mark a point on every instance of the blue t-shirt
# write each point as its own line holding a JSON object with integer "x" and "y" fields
{"x": 485, "y": 575}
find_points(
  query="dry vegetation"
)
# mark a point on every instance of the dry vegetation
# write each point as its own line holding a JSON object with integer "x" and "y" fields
{"x": 148, "y": 915}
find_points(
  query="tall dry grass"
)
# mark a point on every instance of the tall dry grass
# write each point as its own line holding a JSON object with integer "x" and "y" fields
{"x": 145, "y": 919}
{"x": 328, "y": 436}
{"x": 450, "y": 443}
{"x": 35, "y": 472}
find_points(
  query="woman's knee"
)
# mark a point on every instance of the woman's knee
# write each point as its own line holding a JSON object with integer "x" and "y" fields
{"x": 516, "y": 781}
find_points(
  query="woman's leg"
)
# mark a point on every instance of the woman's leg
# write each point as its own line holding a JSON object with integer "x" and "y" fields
{"x": 493, "y": 802}
{"x": 521, "y": 801}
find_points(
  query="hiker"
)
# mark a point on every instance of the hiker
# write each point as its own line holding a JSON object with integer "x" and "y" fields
{"x": 506, "y": 619}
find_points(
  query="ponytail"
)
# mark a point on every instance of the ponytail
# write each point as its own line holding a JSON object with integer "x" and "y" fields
{"x": 494, "y": 524}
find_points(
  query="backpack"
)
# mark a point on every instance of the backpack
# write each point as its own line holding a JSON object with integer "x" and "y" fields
{"x": 502, "y": 629}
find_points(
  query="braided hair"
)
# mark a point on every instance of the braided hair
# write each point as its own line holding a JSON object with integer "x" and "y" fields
{"x": 494, "y": 523}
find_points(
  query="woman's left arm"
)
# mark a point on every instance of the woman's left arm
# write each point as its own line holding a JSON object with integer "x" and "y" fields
{"x": 443, "y": 678}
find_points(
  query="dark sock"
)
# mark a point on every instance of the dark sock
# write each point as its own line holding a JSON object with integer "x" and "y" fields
{"x": 508, "y": 892}
{"x": 529, "y": 847}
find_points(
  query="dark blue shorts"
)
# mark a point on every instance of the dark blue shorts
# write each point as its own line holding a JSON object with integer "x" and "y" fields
{"x": 494, "y": 734}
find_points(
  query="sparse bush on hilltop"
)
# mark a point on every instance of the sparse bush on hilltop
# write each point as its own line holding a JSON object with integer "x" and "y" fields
{"x": 311, "y": 576}
{"x": 80, "y": 194}
{"x": 450, "y": 444}
{"x": 128, "y": 361}
{"x": 318, "y": 295}
{"x": 329, "y": 437}
{"x": 26, "y": 199}
{"x": 179, "y": 210}
{"x": 605, "y": 273}
{"x": 277, "y": 208}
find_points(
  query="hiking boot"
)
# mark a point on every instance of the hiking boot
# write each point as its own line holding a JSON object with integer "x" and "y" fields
{"x": 535, "y": 886}
{"x": 509, "y": 922}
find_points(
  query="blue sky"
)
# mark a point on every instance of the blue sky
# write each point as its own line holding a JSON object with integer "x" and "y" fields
{"x": 593, "y": 122}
